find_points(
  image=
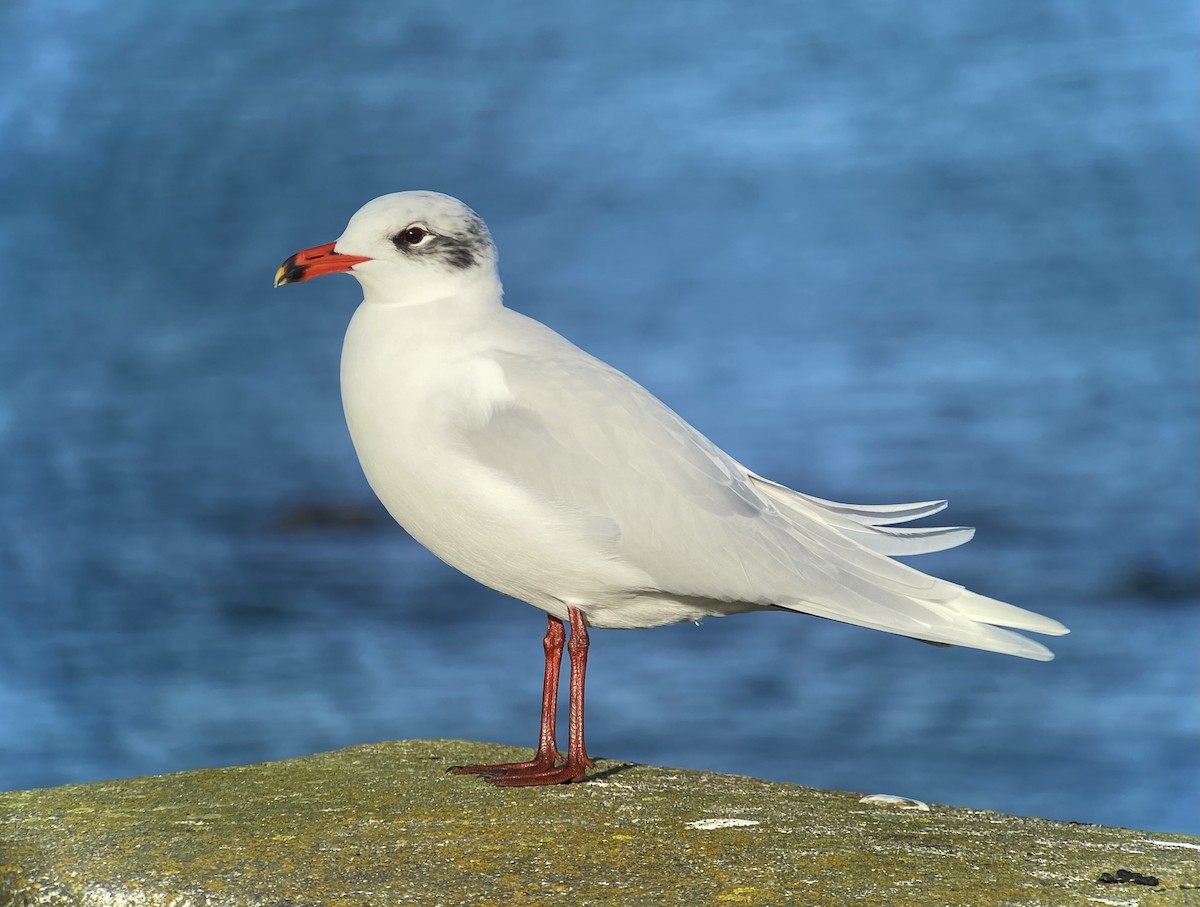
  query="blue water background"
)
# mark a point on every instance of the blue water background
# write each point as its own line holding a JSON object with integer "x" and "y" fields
{"x": 879, "y": 252}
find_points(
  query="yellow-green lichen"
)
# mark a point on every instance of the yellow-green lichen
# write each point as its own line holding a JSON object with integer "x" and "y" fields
{"x": 385, "y": 825}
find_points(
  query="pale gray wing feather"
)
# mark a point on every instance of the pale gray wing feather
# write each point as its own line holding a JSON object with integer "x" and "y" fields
{"x": 581, "y": 435}
{"x": 872, "y": 525}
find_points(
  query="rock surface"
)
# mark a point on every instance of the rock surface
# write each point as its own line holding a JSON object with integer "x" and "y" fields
{"x": 384, "y": 825}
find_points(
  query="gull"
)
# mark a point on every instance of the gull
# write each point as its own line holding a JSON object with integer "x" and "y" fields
{"x": 551, "y": 477}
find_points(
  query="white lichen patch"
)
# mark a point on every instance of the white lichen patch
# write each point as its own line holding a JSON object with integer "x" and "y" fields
{"x": 1173, "y": 844}
{"x": 893, "y": 800}
{"x": 710, "y": 824}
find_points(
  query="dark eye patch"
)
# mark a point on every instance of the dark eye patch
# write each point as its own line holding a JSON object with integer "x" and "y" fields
{"x": 459, "y": 248}
{"x": 412, "y": 235}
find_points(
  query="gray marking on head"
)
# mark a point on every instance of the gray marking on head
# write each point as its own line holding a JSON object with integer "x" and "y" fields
{"x": 459, "y": 251}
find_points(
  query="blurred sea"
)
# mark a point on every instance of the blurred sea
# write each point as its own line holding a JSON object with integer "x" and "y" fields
{"x": 879, "y": 252}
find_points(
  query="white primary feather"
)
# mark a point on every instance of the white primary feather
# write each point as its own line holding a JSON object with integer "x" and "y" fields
{"x": 871, "y": 524}
{"x": 550, "y": 476}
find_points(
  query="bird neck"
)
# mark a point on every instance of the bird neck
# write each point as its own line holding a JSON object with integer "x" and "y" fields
{"x": 483, "y": 291}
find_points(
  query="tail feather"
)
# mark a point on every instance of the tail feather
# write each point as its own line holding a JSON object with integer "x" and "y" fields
{"x": 886, "y": 595}
{"x": 990, "y": 611}
{"x": 926, "y": 621}
{"x": 870, "y": 524}
{"x": 898, "y": 542}
{"x": 873, "y": 514}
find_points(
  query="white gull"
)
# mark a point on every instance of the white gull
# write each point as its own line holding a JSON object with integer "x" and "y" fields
{"x": 550, "y": 476}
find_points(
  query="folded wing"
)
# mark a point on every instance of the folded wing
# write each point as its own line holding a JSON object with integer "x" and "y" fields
{"x": 583, "y": 437}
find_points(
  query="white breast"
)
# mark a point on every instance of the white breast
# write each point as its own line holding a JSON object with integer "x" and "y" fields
{"x": 412, "y": 387}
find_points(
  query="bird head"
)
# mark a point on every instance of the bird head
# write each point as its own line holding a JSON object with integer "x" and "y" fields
{"x": 405, "y": 248}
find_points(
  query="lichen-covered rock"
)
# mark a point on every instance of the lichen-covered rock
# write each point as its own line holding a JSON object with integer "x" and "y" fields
{"x": 385, "y": 826}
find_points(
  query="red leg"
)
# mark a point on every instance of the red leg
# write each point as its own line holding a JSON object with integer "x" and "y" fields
{"x": 547, "y": 751}
{"x": 578, "y": 761}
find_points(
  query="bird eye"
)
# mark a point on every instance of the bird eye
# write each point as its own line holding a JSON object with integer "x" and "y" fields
{"x": 412, "y": 235}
